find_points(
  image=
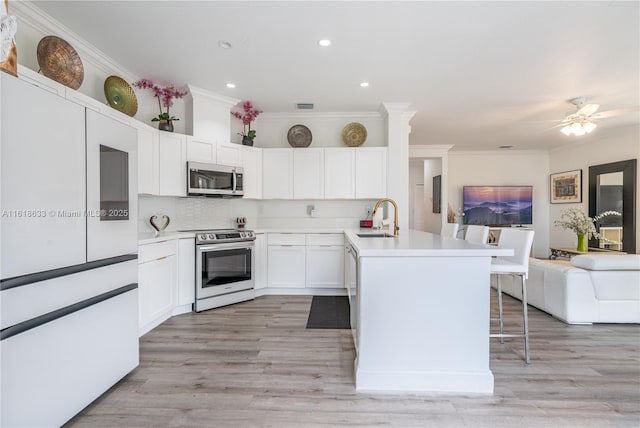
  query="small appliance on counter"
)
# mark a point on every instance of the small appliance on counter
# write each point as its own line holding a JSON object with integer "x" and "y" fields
{"x": 366, "y": 223}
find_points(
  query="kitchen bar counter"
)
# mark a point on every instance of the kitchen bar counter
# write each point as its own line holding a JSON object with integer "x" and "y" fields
{"x": 421, "y": 306}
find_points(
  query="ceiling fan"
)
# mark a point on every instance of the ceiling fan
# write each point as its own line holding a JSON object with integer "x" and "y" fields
{"x": 583, "y": 121}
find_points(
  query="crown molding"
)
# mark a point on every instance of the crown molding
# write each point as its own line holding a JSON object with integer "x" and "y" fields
{"x": 194, "y": 90}
{"x": 319, "y": 115}
{"x": 36, "y": 18}
{"x": 497, "y": 152}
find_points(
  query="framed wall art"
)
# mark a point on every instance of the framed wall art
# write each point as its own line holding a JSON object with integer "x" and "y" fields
{"x": 566, "y": 187}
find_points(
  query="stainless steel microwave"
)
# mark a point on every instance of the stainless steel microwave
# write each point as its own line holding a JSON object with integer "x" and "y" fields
{"x": 214, "y": 180}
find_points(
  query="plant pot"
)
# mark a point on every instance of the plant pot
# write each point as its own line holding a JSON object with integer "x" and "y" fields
{"x": 165, "y": 125}
{"x": 247, "y": 141}
{"x": 582, "y": 243}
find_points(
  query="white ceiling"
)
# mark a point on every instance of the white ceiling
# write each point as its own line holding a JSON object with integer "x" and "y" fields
{"x": 479, "y": 74}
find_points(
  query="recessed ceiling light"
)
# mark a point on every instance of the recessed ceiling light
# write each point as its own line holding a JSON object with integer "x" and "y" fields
{"x": 364, "y": 84}
{"x": 224, "y": 44}
{"x": 231, "y": 85}
{"x": 324, "y": 42}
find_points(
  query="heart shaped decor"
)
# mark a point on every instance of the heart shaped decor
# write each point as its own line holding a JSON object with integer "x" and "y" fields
{"x": 159, "y": 222}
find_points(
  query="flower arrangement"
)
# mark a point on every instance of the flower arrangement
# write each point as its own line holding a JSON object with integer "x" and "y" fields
{"x": 249, "y": 115}
{"x": 576, "y": 220}
{"x": 164, "y": 95}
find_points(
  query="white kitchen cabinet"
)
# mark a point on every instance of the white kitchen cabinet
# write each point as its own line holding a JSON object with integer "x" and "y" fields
{"x": 339, "y": 173}
{"x": 173, "y": 164}
{"x": 308, "y": 173}
{"x": 277, "y": 174}
{"x": 229, "y": 154}
{"x": 186, "y": 274}
{"x": 286, "y": 260}
{"x": 260, "y": 254}
{"x": 148, "y": 159}
{"x": 325, "y": 261}
{"x": 252, "y": 166}
{"x": 371, "y": 172}
{"x": 201, "y": 150}
{"x": 157, "y": 283}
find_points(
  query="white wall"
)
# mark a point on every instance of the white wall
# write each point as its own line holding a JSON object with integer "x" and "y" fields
{"x": 326, "y": 128}
{"x": 416, "y": 178}
{"x": 515, "y": 168}
{"x": 582, "y": 154}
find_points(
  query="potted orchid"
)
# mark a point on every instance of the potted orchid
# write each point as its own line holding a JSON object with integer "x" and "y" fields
{"x": 248, "y": 115}
{"x": 576, "y": 220}
{"x": 165, "y": 98}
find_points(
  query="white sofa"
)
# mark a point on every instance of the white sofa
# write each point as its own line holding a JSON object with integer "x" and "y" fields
{"x": 591, "y": 288}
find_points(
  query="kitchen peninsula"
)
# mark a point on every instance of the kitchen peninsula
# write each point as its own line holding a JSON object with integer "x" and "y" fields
{"x": 420, "y": 312}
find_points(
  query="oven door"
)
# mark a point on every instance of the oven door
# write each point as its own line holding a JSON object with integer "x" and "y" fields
{"x": 224, "y": 268}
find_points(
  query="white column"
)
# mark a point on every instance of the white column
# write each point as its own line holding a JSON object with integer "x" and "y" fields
{"x": 208, "y": 115}
{"x": 397, "y": 117}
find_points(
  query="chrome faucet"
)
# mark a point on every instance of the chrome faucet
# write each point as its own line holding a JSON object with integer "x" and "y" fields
{"x": 396, "y": 229}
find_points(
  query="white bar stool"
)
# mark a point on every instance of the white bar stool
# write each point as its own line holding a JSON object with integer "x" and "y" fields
{"x": 449, "y": 229}
{"x": 476, "y": 234}
{"x": 518, "y": 264}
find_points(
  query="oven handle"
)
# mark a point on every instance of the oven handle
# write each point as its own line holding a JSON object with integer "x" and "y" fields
{"x": 229, "y": 246}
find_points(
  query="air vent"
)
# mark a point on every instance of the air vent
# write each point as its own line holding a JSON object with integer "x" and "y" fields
{"x": 505, "y": 147}
{"x": 304, "y": 106}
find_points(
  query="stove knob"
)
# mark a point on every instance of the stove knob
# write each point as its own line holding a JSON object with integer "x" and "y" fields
{"x": 212, "y": 236}
{"x": 243, "y": 235}
{"x": 202, "y": 237}
{"x": 250, "y": 234}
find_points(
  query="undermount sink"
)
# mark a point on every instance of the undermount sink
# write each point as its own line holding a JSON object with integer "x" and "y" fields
{"x": 375, "y": 235}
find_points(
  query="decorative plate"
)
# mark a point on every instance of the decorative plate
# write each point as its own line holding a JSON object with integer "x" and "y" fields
{"x": 120, "y": 95}
{"x": 59, "y": 61}
{"x": 299, "y": 136}
{"x": 354, "y": 134}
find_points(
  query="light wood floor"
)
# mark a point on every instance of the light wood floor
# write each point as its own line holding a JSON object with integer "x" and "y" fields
{"x": 255, "y": 365}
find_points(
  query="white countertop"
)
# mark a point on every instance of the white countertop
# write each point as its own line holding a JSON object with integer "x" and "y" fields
{"x": 414, "y": 243}
{"x": 150, "y": 237}
{"x": 301, "y": 230}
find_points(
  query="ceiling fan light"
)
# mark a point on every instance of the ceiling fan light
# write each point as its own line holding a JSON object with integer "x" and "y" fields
{"x": 566, "y": 130}
{"x": 576, "y": 129}
{"x": 589, "y": 127}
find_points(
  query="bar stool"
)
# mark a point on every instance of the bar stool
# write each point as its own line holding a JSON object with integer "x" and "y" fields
{"x": 476, "y": 234}
{"x": 518, "y": 264}
{"x": 449, "y": 229}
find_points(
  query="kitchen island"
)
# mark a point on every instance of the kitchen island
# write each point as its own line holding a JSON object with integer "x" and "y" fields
{"x": 420, "y": 312}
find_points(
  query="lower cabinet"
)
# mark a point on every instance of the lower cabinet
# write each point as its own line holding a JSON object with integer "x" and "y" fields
{"x": 260, "y": 256}
{"x": 325, "y": 261}
{"x": 296, "y": 260}
{"x": 286, "y": 260}
{"x": 186, "y": 275}
{"x": 157, "y": 283}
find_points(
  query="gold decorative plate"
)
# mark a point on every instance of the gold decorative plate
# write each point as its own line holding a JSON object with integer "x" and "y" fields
{"x": 120, "y": 95}
{"x": 59, "y": 61}
{"x": 354, "y": 134}
{"x": 299, "y": 136}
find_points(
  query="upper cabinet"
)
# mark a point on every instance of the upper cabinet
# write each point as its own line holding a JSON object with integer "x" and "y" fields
{"x": 173, "y": 164}
{"x": 229, "y": 154}
{"x": 371, "y": 172}
{"x": 277, "y": 174}
{"x": 339, "y": 173}
{"x": 252, "y": 178}
{"x": 148, "y": 158}
{"x": 308, "y": 173}
{"x": 201, "y": 150}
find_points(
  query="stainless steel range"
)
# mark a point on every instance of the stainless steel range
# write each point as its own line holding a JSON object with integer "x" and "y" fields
{"x": 224, "y": 267}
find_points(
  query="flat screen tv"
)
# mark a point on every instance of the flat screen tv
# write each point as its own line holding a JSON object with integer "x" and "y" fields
{"x": 497, "y": 205}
